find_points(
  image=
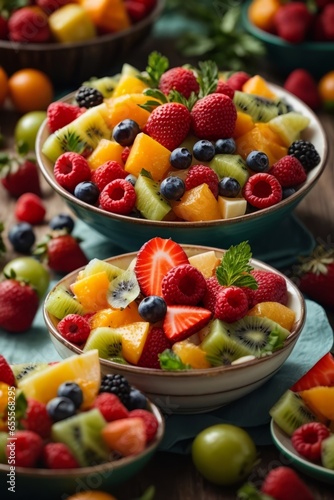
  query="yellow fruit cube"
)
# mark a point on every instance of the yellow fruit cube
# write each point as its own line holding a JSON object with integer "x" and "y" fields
{"x": 71, "y": 23}
{"x": 113, "y": 318}
{"x": 191, "y": 354}
{"x": 206, "y": 262}
{"x": 149, "y": 154}
{"x": 91, "y": 291}
{"x": 258, "y": 86}
{"x": 105, "y": 150}
{"x": 129, "y": 84}
{"x": 197, "y": 204}
{"x": 134, "y": 337}
{"x": 231, "y": 207}
{"x": 127, "y": 106}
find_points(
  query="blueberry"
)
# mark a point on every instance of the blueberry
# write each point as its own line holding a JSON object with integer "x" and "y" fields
{"x": 287, "y": 191}
{"x": 225, "y": 146}
{"x": 229, "y": 187}
{"x": 180, "y": 158}
{"x": 204, "y": 150}
{"x": 62, "y": 221}
{"x": 125, "y": 132}
{"x": 22, "y": 237}
{"x": 87, "y": 191}
{"x": 131, "y": 178}
{"x": 257, "y": 161}
{"x": 152, "y": 308}
{"x": 60, "y": 408}
{"x": 72, "y": 391}
{"x": 172, "y": 188}
{"x": 137, "y": 400}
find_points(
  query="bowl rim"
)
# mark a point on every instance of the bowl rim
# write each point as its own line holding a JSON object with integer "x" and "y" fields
{"x": 195, "y": 372}
{"x": 267, "y": 37}
{"x": 97, "y": 40}
{"x": 42, "y": 162}
{"x": 36, "y": 472}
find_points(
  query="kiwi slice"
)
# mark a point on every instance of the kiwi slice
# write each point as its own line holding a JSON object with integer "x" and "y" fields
{"x": 106, "y": 85}
{"x": 327, "y": 452}
{"x": 260, "y": 335}
{"x": 220, "y": 348}
{"x": 108, "y": 341}
{"x": 3, "y": 444}
{"x": 290, "y": 412}
{"x": 259, "y": 108}
{"x": 61, "y": 302}
{"x": 226, "y": 165}
{"x": 123, "y": 290}
{"x": 23, "y": 370}
{"x": 96, "y": 266}
{"x": 64, "y": 139}
{"x": 82, "y": 434}
{"x": 150, "y": 203}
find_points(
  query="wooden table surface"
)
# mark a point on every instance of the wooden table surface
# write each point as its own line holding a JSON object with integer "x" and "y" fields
{"x": 174, "y": 476}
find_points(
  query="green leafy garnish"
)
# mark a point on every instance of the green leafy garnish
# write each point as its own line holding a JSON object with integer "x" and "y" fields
{"x": 207, "y": 77}
{"x": 157, "y": 65}
{"x": 171, "y": 362}
{"x": 234, "y": 268}
{"x": 249, "y": 492}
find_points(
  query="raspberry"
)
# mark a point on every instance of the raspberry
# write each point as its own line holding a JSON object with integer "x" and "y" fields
{"x": 74, "y": 328}
{"x": 214, "y": 117}
{"x": 180, "y": 79}
{"x": 36, "y": 418}
{"x": 125, "y": 154}
{"x": 231, "y": 304}
{"x": 107, "y": 172}
{"x": 29, "y": 208}
{"x": 307, "y": 440}
{"x": 210, "y": 296}
{"x": 116, "y": 384}
{"x": 119, "y": 197}
{"x": 224, "y": 88}
{"x": 183, "y": 284}
{"x": 28, "y": 448}
{"x": 110, "y": 406}
{"x": 29, "y": 25}
{"x": 306, "y": 153}
{"x": 60, "y": 114}
{"x": 271, "y": 288}
{"x": 262, "y": 190}
{"x": 58, "y": 456}
{"x": 237, "y": 80}
{"x": 198, "y": 174}
{"x": 88, "y": 97}
{"x": 150, "y": 421}
{"x": 70, "y": 169}
{"x": 288, "y": 171}
{"x": 155, "y": 344}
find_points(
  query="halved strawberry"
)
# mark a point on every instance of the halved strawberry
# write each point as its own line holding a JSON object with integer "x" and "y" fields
{"x": 6, "y": 373}
{"x": 154, "y": 259}
{"x": 321, "y": 374}
{"x": 182, "y": 321}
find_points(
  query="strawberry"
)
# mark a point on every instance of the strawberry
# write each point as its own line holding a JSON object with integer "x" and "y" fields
{"x": 292, "y": 22}
{"x": 154, "y": 259}
{"x": 62, "y": 252}
{"x": 19, "y": 175}
{"x": 315, "y": 275}
{"x": 28, "y": 448}
{"x": 322, "y": 373}
{"x": 58, "y": 456}
{"x": 169, "y": 124}
{"x": 30, "y": 208}
{"x": 180, "y": 79}
{"x": 29, "y": 24}
{"x": 150, "y": 421}
{"x": 6, "y": 374}
{"x": 302, "y": 84}
{"x": 18, "y": 305}
{"x": 110, "y": 406}
{"x": 283, "y": 483}
{"x": 271, "y": 288}
{"x": 155, "y": 344}
{"x": 289, "y": 171}
{"x": 36, "y": 418}
{"x": 237, "y": 79}
{"x": 136, "y": 11}
{"x": 213, "y": 117}
{"x": 182, "y": 321}
{"x": 224, "y": 88}
{"x": 327, "y": 17}
{"x": 60, "y": 114}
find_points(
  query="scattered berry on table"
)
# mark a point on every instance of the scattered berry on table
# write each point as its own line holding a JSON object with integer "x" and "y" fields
{"x": 125, "y": 132}
{"x": 58, "y": 456}
{"x": 231, "y": 304}
{"x": 152, "y": 308}
{"x": 30, "y": 208}
{"x": 22, "y": 237}
{"x": 70, "y": 169}
{"x": 119, "y": 196}
{"x": 88, "y": 97}
{"x": 181, "y": 158}
{"x": 17, "y": 296}
{"x": 116, "y": 384}
{"x": 19, "y": 175}
{"x": 307, "y": 440}
{"x": 284, "y": 482}
{"x": 62, "y": 221}
{"x": 172, "y": 188}
{"x": 72, "y": 391}
{"x": 262, "y": 190}
{"x": 62, "y": 252}
{"x": 74, "y": 328}
{"x": 257, "y": 161}
{"x": 225, "y": 146}
{"x": 229, "y": 187}
{"x": 204, "y": 150}
{"x": 306, "y": 153}
{"x": 87, "y": 191}
{"x": 60, "y": 408}
{"x": 184, "y": 284}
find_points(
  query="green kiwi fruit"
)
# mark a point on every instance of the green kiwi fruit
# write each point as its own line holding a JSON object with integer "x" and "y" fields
{"x": 96, "y": 266}
{"x": 123, "y": 290}
{"x": 82, "y": 434}
{"x": 106, "y": 84}
{"x": 91, "y": 125}
{"x": 61, "y": 302}
{"x": 260, "y": 335}
{"x": 227, "y": 165}
{"x": 327, "y": 452}
{"x": 150, "y": 203}
{"x": 259, "y": 108}
{"x": 3, "y": 444}
{"x": 290, "y": 412}
{"x": 108, "y": 341}
{"x": 23, "y": 370}
{"x": 64, "y": 139}
{"x": 220, "y": 348}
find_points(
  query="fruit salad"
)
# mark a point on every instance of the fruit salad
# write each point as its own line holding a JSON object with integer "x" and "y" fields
{"x": 305, "y": 412}
{"x": 172, "y": 311}
{"x": 178, "y": 144}
{"x": 46, "y": 407}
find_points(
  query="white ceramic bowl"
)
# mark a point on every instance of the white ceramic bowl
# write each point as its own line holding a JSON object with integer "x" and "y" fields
{"x": 197, "y": 390}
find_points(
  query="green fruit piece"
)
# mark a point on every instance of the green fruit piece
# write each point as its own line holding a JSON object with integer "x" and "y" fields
{"x": 226, "y": 165}
{"x": 259, "y": 108}
{"x": 327, "y": 452}
{"x": 30, "y": 270}
{"x": 289, "y": 126}
{"x": 123, "y": 290}
{"x": 150, "y": 202}
{"x": 96, "y": 266}
{"x": 108, "y": 341}
{"x": 26, "y": 129}
{"x": 61, "y": 302}
{"x": 3, "y": 444}
{"x": 82, "y": 434}
{"x": 105, "y": 85}
{"x": 290, "y": 412}
{"x": 23, "y": 370}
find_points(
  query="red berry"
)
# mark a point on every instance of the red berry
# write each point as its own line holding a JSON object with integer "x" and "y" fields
{"x": 107, "y": 172}
{"x": 50, "y": 6}
{"x": 198, "y": 174}
{"x": 30, "y": 208}
{"x": 58, "y": 456}
{"x": 136, "y": 11}
{"x": 181, "y": 321}
{"x": 231, "y": 304}
{"x": 183, "y": 284}
{"x": 28, "y": 446}
{"x": 6, "y": 373}
{"x": 63, "y": 253}
{"x": 60, "y": 114}
{"x": 155, "y": 344}
{"x": 70, "y": 169}
{"x": 224, "y": 88}
{"x": 210, "y": 296}
{"x": 74, "y": 328}
{"x": 307, "y": 440}
{"x": 150, "y": 421}
{"x": 272, "y": 287}
{"x": 125, "y": 154}
{"x": 289, "y": 171}
{"x": 283, "y": 483}
{"x": 292, "y": 21}
{"x": 29, "y": 24}
{"x": 169, "y": 124}
{"x": 110, "y": 406}
{"x": 119, "y": 197}
{"x": 214, "y": 117}
{"x": 18, "y": 305}
{"x": 262, "y": 190}
{"x": 302, "y": 84}
{"x": 181, "y": 79}
{"x": 237, "y": 80}
{"x": 19, "y": 176}
{"x": 36, "y": 418}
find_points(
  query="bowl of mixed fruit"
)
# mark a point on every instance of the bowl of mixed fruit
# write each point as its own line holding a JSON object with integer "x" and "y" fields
{"x": 194, "y": 327}
{"x": 66, "y": 428}
{"x": 192, "y": 154}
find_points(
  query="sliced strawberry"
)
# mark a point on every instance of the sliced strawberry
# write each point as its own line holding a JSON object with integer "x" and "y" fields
{"x": 6, "y": 373}
{"x": 182, "y": 321}
{"x": 321, "y": 374}
{"x": 155, "y": 258}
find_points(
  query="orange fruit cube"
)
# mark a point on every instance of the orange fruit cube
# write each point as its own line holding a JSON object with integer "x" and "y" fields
{"x": 243, "y": 124}
{"x": 126, "y": 106}
{"x": 91, "y": 291}
{"x": 197, "y": 204}
{"x": 258, "y": 86}
{"x": 261, "y": 13}
{"x": 108, "y": 15}
{"x": 105, "y": 150}
{"x": 320, "y": 400}
{"x": 146, "y": 153}
{"x": 191, "y": 354}
{"x": 126, "y": 436}
{"x": 113, "y": 318}
{"x": 275, "y": 311}
{"x": 129, "y": 84}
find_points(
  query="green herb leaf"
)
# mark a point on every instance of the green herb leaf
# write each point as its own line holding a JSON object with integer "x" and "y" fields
{"x": 234, "y": 268}
{"x": 207, "y": 77}
{"x": 171, "y": 362}
{"x": 249, "y": 492}
{"x": 157, "y": 65}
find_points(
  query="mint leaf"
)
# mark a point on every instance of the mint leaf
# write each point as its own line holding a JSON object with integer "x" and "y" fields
{"x": 157, "y": 65}
{"x": 234, "y": 268}
{"x": 171, "y": 362}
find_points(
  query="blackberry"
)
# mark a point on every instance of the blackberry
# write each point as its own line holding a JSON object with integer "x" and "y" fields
{"x": 88, "y": 97}
{"x": 116, "y": 384}
{"x": 306, "y": 153}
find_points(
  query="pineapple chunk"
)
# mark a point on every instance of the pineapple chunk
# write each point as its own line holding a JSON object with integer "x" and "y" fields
{"x": 289, "y": 126}
{"x": 71, "y": 23}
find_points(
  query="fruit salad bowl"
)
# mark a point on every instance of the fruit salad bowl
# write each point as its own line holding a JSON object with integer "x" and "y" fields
{"x": 196, "y": 385}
